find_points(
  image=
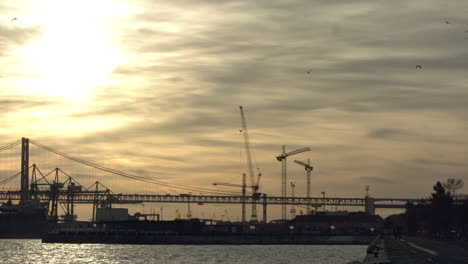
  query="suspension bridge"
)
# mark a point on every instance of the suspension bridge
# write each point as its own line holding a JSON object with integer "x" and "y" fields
{"x": 43, "y": 178}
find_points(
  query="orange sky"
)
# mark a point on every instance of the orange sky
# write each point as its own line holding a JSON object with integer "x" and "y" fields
{"x": 153, "y": 88}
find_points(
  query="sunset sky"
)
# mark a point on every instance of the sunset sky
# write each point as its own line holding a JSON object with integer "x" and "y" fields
{"x": 154, "y": 87}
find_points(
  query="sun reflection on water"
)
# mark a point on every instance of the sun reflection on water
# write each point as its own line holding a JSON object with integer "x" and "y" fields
{"x": 33, "y": 251}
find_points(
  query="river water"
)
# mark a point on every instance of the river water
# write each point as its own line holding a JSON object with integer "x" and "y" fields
{"x": 24, "y": 251}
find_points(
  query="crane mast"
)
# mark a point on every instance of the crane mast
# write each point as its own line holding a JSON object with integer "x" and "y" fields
{"x": 243, "y": 186}
{"x": 293, "y": 210}
{"x": 249, "y": 163}
{"x": 282, "y": 159}
{"x": 308, "y": 169}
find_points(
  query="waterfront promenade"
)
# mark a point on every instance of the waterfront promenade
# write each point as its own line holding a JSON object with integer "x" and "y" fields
{"x": 416, "y": 250}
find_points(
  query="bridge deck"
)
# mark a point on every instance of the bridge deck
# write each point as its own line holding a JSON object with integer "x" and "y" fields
{"x": 92, "y": 196}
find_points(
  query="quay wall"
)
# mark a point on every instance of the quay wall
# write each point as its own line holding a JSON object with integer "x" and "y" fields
{"x": 204, "y": 239}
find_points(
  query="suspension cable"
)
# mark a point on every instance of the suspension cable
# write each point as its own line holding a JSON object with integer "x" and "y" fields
{"x": 12, "y": 177}
{"x": 9, "y": 179}
{"x": 127, "y": 175}
{"x": 10, "y": 145}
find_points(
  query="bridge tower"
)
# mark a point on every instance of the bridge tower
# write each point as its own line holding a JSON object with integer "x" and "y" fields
{"x": 24, "y": 197}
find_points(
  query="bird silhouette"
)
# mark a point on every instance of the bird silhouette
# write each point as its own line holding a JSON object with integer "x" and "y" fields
{"x": 309, "y": 71}
{"x": 447, "y": 22}
{"x": 419, "y": 66}
{"x": 13, "y": 19}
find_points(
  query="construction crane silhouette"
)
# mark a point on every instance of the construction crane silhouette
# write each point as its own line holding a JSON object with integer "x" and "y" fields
{"x": 308, "y": 169}
{"x": 293, "y": 209}
{"x": 243, "y": 186}
{"x": 282, "y": 158}
{"x": 254, "y": 183}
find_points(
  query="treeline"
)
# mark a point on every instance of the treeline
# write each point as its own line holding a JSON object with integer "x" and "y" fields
{"x": 442, "y": 216}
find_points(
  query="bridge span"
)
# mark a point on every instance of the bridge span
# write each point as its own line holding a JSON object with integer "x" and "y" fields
{"x": 66, "y": 190}
{"x": 91, "y": 197}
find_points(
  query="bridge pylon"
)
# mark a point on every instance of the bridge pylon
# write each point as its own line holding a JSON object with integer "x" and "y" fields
{"x": 25, "y": 196}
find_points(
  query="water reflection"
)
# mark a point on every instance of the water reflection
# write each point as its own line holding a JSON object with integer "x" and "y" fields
{"x": 33, "y": 251}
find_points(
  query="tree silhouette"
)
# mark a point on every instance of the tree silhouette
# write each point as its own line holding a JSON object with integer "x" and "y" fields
{"x": 452, "y": 185}
{"x": 441, "y": 203}
{"x": 417, "y": 217}
{"x": 441, "y": 217}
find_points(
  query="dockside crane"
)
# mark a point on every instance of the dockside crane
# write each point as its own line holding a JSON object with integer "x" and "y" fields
{"x": 254, "y": 183}
{"x": 282, "y": 158}
{"x": 308, "y": 169}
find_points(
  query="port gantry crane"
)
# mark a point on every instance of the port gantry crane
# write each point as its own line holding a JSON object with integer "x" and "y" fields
{"x": 254, "y": 183}
{"x": 308, "y": 169}
{"x": 282, "y": 158}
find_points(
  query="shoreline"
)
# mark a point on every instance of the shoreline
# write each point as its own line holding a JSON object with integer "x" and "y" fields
{"x": 239, "y": 239}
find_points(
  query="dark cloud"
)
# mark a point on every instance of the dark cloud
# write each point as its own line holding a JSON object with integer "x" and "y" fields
{"x": 388, "y": 133}
{"x": 258, "y": 57}
{"x": 432, "y": 162}
{"x": 377, "y": 180}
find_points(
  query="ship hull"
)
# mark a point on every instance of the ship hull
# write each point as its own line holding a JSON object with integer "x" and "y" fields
{"x": 23, "y": 225}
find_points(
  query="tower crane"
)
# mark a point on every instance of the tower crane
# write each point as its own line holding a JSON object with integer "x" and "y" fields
{"x": 293, "y": 210}
{"x": 254, "y": 183}
{"x": 282, "y": 158}
{"x": 243, "y": 186}
{"x": 308, "y": 169}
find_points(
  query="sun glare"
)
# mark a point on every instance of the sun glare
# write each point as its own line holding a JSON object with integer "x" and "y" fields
{"x": 74, "y": 54}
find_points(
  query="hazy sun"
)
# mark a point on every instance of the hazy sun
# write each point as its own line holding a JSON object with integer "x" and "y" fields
{"x": 75, "y": 53}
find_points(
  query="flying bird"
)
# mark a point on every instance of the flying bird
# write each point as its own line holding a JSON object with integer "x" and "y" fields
{"x": 309, "y": 71}
{"x": 419, "y": 66}
{"x": 447, "y": 22}
{"x": 13, "y": 19}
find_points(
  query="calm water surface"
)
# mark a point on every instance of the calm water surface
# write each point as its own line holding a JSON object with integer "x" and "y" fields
{"x": 33, "y": 251}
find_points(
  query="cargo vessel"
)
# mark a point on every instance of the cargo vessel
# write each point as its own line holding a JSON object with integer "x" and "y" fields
{"x": 24, "y": 220}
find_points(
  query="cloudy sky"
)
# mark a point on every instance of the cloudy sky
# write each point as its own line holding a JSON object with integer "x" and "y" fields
{"x": 154, "y": 87}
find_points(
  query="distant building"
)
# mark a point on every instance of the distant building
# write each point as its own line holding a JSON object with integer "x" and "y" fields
{"x": 341, "y": 222}
{"x": 111, "y": 214}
